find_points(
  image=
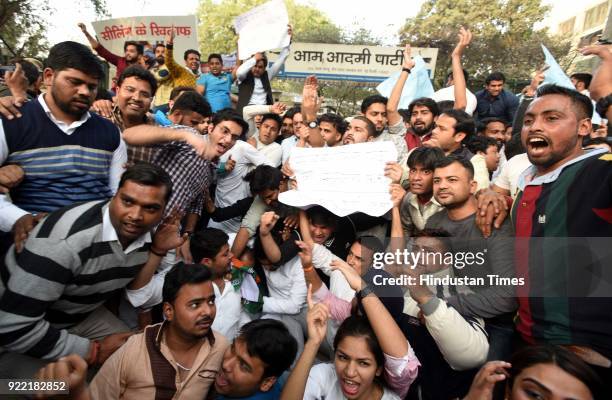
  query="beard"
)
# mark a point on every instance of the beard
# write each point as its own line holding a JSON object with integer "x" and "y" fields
{"x": 422, "y": 131}
{"x": 160, "y": 60}
{"x": 66, "y": 106}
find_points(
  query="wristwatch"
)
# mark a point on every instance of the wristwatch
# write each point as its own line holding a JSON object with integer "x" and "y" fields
{"x": 313, "y": 124}
{"x": 407, "y": 70}
{"x": 365, "y": 291}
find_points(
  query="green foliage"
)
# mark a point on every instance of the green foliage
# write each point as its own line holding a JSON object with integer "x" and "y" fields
{"x": 505, "y": 37}
{"x": 23, "y": 26}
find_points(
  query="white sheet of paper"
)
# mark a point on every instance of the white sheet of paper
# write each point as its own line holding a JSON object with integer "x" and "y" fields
{"x": 344, "y": 179}
{"x": 262, "y": 28}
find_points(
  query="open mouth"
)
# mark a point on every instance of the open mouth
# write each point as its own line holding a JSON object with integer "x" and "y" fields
{"x": 349, "y": 387}
{"x": 131, "y": 228}
{"x": 537, "y": 144}
{"x": 220, "y": 380}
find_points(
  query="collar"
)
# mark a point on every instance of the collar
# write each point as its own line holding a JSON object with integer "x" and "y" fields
{"x": 164, "y": 325}
{"x": 414, "y": 200}
{"x": 67, "y": 128}
{"x": 528, "y": 178}
{"x": 110, "y": 235}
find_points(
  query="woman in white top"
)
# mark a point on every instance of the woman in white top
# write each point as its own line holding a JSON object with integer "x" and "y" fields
{"x": 372, "y": 358}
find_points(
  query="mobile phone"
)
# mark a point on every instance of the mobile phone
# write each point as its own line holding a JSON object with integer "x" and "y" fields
{"x": 6, "y": 68}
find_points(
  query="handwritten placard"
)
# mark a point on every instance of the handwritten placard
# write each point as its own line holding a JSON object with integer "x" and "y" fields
{"x": 344, "y": 179}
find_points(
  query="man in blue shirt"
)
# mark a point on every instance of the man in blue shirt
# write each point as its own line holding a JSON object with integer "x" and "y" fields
{"x": 216, "y": 85}
{"x": 495, "y": 101}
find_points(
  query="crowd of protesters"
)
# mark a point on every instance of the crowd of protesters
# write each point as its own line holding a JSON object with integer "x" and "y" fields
{"x": 145, "y": 253}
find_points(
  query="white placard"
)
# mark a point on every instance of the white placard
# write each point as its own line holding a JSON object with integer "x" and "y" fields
{"x": 344, "y": 179}
{"x": 262, "y": 28}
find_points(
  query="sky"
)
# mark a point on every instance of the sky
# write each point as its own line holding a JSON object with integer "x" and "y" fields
{"x": 384, "y": 19}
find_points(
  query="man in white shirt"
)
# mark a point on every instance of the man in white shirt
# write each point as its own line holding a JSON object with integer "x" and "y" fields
{"x": 209, "y": 247}
{"x": 231, "y": 185}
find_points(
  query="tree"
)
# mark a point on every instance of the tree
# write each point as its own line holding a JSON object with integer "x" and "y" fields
{"x": 216, "y": 32}
{"x": 505, "y": 37}
{"x": 23, "y": 28}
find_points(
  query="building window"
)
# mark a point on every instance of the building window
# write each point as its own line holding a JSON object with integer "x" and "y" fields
{"x": 567, "y": 27}
{"x": 596, "y": 16}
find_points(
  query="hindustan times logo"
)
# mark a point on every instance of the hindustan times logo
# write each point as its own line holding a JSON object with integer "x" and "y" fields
{"x": 458, "y": 260}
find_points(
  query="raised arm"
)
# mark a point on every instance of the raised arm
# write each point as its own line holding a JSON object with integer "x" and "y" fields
{"x": 311, "y": 104}
{"x": 601, "y": 84}
{"x": 318, "y": 315}
{"x": 282, "y": 57}
{"x": 460, "y": 86}
{"x": 245, "y": 67}
{"x": 392, "y": 340}
{"x": 393, "y": 103}
{"x": 92, "y": 41}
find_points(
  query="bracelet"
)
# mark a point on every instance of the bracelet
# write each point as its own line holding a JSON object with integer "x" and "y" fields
{"x": 406, "y": 70}
{"x": 308, "y": 269}
{"x": 156, "y": 253}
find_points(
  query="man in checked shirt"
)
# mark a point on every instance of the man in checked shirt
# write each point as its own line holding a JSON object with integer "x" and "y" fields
{"x": 189, "y": 158}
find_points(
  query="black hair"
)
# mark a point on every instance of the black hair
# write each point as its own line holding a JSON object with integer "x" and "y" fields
{"x": 358, "y": 326}
{"x": 588, "y": 141}
{"x": 182, "y": 274}
{"x": 582, "y": 104}
{"x": 336, "y": 120}
{"x": 65, "y": 55}
{"x": 190, "y": 51}
{"x": 583, "y": 77}
{"x": 215, "y": 55}
{"x": 373, "y": 99}
{"x": 558, "y": 356}
{"x": 271, "y": 342}
{"x": 179, "y": 90}
{"x": 139, "y": 47}
{"x": 292, "y": 111}
{"x": 481, "y": 143}
{"x": 483, "y": 123}
{"x": 495, "y": 76}
{"x": 319, "y": 215}
{"x": 424, "y": 102}
{"x": 369, "y": 124}
{"x": 463, "y": 123}
{"x": 228, "y": 114}
{"x": 514, "y": 147}
{"x": 466, "y": 75}
{"x": 273, "y": 117}
{"x": 104, "y": 95}
{"x": 448, "y": 160}
{"x": 426, "y": 157}
{"x": 206, "y": 243}
{"x": 445, "y": 105}
{"x": 263, "y": 177}
{"x": 140, "y": 73}
{"x": 30, "y": 70}
{"x": 371, "y": 242}
{"x": 159, "y": 44}
{"x": 148, "y": 175}
{"x": 264, "y": 58}
{"x": 192, "y": 101}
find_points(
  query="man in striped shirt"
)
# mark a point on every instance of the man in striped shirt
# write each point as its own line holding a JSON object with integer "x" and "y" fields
{"x": 52, "y": 293}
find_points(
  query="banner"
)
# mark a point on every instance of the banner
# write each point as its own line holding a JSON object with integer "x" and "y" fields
{"x": 113, "y": 33}
{"x": 350, "y": 62}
